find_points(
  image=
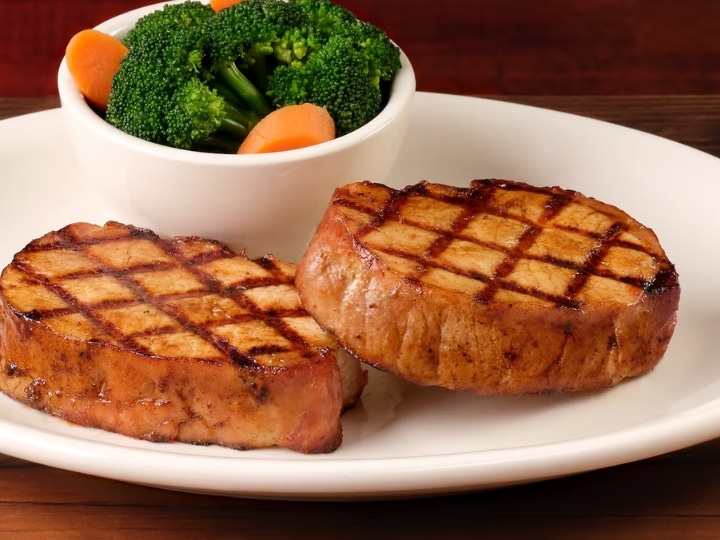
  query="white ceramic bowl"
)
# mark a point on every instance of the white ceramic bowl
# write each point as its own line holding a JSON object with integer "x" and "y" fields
{"x": 266, "y": 203}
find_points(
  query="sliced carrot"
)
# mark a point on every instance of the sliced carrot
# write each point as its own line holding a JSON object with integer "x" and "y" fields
{"x": 288, "y": 128}
{"x": 93, "y": 57}
{"x": 217, "y": 5}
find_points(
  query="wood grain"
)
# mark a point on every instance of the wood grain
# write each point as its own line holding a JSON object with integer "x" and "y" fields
{"x": 672, "y": 496}
{"x": 691, "y": 120}
{"x": 498, "y": 47}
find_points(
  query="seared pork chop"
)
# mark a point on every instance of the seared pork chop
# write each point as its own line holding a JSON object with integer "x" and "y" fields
{"x": 170, "y": 340}
{"x": 498, "y": 288}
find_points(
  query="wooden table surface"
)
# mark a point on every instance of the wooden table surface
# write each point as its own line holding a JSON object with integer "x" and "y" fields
{"x": 670, "y": 496}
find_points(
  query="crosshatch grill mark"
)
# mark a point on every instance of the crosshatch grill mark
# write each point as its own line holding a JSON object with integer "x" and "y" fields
{"x": 477, "y": 199}
{"x": 236, "y": 293}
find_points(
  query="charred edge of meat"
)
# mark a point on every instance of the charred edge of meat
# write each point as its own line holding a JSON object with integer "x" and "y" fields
{"x": 667, "y": 279}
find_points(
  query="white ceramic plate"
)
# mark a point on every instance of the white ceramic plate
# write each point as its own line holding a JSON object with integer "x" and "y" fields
{"x": 407, "y": 440}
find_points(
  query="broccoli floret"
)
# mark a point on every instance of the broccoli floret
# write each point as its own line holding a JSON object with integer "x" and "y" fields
{"x": 242, "y": 38}
{"x": 343, "y": 85}
{"x": 297, "y": 44}
{"x": 334, "y": 20}
{"x": 186, "y": 15}
{"x": 162, "y": 56}
{"x": 138, "y": 98}
{"x": 347, "y": 73}
{"x": 195, "y": 112}
{"x": 382, "y": 54}
{"x": 326, "y": 16}
{"x": 181, "y": 111}
{"x": 336, "y": 77}
{"x": 194, "y": 78}
{"x": 290, "y": 85}
{"x": 198, "y": 116}
{"x": 164, "y": 92}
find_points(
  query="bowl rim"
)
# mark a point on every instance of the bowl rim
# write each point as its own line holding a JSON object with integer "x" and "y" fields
{"x": 403, "y": 89}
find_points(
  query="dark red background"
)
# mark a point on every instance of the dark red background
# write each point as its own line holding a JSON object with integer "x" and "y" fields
{"x": 510, "y": 47}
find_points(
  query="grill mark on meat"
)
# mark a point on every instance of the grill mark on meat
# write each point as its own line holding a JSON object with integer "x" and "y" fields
{"x": 592, "y": 262}
{"x": 74, "y": 307}
{"x": 236, "y": 293}
{"x": 63, "y": 240}
{"x": 499, "y": 289}
{"x": 498, "y": 280}
{"x": 476, "y": 199}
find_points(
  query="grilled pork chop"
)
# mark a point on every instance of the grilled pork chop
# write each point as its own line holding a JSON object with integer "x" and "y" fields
{"x": 498, "y": 288}
{"x": 169, "y": 340}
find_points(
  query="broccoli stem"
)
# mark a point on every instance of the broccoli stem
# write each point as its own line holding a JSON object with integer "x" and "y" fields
{"x": 234, "y": 105}
{"x": 228, "y": 95}
{"x": 238, "y": 122}
{"x": 233, "y": 129}
{"x": 218, "y": 144}
{"x": 260, "y": 71}
{"x": 240, "y": 84}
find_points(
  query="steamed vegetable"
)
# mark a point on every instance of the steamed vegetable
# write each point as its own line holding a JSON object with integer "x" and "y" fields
{"x": 93, "y": 58}
{"x": 201, "y": 76}
{"x": 217, "y": 5}
{"x": 289, "y": 128}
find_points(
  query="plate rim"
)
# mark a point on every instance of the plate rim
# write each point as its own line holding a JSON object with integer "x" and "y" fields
{"x": 689, "y": 427}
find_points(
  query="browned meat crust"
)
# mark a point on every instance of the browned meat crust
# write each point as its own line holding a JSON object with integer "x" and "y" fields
{"x": 168, "y": 340}
{"x": 498, "y": 288}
